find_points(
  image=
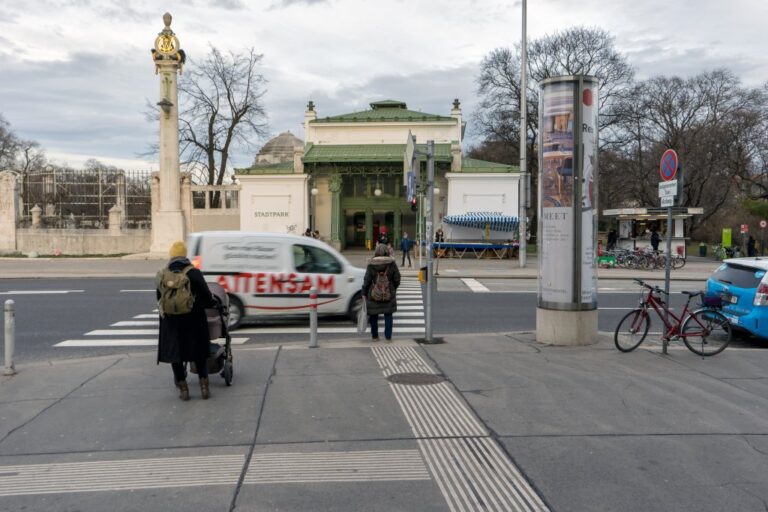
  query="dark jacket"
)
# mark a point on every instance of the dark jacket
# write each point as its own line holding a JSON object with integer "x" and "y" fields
{"x": 655, "y": 239}
{"x": 375, "y": 265}
{"x": 185, "y": 337}
{"x": 405, "y": 244}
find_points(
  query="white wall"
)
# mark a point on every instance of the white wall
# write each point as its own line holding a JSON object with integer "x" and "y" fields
{"x": 274, "y": 203}
{"x": 481, "y": 193}
{"x": 443, "y": 132}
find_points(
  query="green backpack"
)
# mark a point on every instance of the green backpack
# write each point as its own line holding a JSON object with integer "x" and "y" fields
{"x": 175, "y": 291}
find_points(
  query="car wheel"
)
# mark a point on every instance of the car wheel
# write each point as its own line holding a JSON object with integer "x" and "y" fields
{"x": 236, "y": 313}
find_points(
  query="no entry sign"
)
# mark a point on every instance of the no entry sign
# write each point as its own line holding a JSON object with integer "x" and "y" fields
{"x": 668, "y": 165}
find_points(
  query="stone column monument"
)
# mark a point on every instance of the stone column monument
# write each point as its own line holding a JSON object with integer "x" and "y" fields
{"x": 168, "y": 219}
{"x": 8, "y": 208}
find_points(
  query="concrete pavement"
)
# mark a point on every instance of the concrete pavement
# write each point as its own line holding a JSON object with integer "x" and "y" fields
{"x": 515, "y": 425}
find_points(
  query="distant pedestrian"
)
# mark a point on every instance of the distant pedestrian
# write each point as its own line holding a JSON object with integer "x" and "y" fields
{"x": 383, "y": 238}
{"x": 405, "y": 247}
{"x": 751, "y": 249}
{"x": 390, "y": 250}
{"x": 439, "y": 235}
{"x": 380, "y": 284}
{"x": 612, "y": 239}
{"x": 183, "y": 296}
{"x": 308, "y": 233}
{"x": 655, "y": 239}
{"x": 316, "y": 234}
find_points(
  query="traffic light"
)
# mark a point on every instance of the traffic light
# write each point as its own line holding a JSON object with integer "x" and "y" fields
{"x": 414, "y": 204}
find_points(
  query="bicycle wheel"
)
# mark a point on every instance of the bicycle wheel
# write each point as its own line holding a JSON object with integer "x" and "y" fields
{"x": 679, "y": 262}
{"x": 632, "y": 330}
{"x": 706, "y": 332}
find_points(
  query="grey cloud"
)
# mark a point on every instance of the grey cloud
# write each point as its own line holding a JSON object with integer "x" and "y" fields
{"x": 282, "y": 4}
{"x": 89, "y": 104}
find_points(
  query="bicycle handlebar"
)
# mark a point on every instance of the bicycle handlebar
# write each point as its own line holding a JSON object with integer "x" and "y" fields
{"x": 653, "y": 288}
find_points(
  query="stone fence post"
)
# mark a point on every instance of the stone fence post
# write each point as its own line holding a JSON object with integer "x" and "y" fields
{"x": 9, "y": 193}
{"x": 115, "y": 220}
{"x": 36, "y": 212}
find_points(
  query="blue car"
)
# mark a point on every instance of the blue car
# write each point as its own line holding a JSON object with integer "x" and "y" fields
{"x": 742, "y": 283}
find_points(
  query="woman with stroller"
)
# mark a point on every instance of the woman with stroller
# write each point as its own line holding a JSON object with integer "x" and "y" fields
{"x": 184, "y": 337}
{"x": 382, "y": 278}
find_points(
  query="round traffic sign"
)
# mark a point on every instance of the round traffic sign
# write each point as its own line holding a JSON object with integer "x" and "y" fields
{"x": 668, "y": 165}
{"x": 763, "y": 224}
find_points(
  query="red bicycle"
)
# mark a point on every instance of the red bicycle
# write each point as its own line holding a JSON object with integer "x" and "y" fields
{"x": 705, "y": 331}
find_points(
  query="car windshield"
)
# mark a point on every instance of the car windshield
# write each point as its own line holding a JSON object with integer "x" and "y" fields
{"x": 738, "y": 275}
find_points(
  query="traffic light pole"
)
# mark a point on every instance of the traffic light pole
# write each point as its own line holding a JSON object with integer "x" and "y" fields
{"x": 429, "y": 235}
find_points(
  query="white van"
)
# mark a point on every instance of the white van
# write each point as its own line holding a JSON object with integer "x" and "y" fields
{"x": 269, "y": 274}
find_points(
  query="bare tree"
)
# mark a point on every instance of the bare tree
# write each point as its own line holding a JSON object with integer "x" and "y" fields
{"x": 221, "y": 109}
{"x": 717, "y": 127}
{"x": 577, "y": 50}
{"x": 9, "y": 145}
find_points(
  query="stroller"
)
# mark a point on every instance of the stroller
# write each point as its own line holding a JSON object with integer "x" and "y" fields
{"x": 220, "y": 358}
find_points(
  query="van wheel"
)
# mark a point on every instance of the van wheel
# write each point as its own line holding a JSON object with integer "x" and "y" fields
{"x": 354, "y": 306}
{"x": 236, "y": 313}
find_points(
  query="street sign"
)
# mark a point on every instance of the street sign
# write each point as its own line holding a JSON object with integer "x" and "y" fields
{"x": 668, "y": 165}
{"x": 411, "y": 185}
{"x": 668, "y": 188}
{"x": 763, "y": 223}
{"x": 744, "y": 228}
{"x": 667, "y": 201}
{"x": 410, "y": 153}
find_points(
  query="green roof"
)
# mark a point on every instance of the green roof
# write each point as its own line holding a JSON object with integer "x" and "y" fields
{"x": 386, "y": 110}
{"x": 475, "y": 165}
{"x": 279, "y": 168}
{"x": 326, "y": 153}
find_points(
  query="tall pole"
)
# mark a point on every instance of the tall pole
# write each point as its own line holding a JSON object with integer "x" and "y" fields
{"x": 524, "y": 184}
{"x": 429, "y": 237}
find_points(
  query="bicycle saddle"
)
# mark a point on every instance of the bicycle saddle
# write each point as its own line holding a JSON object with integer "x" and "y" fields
{"x": 694, "y": 294}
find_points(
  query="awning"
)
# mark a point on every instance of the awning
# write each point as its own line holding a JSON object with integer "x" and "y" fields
{"x": 480, "y": 221}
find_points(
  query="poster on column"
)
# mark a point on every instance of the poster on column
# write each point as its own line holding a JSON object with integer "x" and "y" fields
{"x": 556, "y": 193}
{"x": 588, "y": 193}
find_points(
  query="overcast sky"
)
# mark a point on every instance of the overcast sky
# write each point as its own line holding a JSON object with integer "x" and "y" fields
{"x": 75, "y": 75}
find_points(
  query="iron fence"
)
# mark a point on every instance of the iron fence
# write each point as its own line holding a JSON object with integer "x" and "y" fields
{"x": 71, "y": 198}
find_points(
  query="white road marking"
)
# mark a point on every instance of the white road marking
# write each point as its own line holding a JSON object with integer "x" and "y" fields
{"x": 129, "y": 342}
{"x": 40, "y": 292}
{"x": 137, "y": 323}
{"x": 137, "y": 291}
{"x": 322, "y": 330}
{"x": 475, "y": 285}
{"x": 122, "y": 332}
{"x": 147, "y": 316}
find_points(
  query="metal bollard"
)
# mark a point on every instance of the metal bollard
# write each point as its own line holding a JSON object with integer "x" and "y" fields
{"x": 313, "y": 318}
{"x": 10, "y": 333}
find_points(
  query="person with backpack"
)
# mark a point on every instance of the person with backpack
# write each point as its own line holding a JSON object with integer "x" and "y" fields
{"x": 183, "y": 296}
{"x": 382, "y": 278}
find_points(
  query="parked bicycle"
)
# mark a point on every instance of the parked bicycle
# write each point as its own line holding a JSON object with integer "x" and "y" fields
{"x": 705, "y": 331}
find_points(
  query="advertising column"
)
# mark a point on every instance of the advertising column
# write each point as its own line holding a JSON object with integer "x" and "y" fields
{"x": 567, "y": 299}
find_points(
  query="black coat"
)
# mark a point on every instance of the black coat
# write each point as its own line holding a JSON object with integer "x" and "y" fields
{"x": 376, "y": 265}
{"x": 185, "y": 337}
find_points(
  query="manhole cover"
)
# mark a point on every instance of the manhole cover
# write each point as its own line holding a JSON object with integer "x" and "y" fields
{"x": 415, "y": 379}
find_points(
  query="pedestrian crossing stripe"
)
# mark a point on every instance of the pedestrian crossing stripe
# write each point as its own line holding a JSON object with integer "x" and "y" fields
{"x": 130, "y": 342}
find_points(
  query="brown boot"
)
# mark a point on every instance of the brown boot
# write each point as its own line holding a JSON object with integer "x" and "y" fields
{"x": 204, "y": 390}
{"x": 183, "y": 390}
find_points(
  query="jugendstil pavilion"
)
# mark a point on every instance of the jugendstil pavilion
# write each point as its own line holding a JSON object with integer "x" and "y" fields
{"x": 346, "y": 180}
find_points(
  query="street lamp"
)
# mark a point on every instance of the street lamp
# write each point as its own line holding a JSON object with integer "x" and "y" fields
{"x": 377, "y": 190}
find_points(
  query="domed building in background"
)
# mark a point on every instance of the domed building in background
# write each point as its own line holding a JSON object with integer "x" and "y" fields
{"x": 279, "y": 150}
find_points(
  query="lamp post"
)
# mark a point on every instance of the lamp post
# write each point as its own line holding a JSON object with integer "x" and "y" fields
{"x": 525, "y": 189}
{"x": 313, "y": 213}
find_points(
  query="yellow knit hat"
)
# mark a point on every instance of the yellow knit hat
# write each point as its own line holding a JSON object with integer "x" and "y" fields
{"x": 178, "y": 250}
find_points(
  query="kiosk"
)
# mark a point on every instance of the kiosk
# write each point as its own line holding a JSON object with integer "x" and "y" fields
{"x": 634, "y": 226}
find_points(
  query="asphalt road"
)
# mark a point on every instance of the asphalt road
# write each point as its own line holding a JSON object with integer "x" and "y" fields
{"x": 104, "y": 312}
